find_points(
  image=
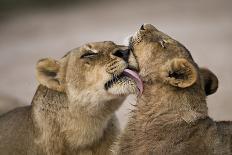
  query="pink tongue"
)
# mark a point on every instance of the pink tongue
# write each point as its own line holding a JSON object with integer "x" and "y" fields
{"x": 135, "y": 76}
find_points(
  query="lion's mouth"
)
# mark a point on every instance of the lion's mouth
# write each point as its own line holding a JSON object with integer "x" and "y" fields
{"x": 127, "y": 80}
{"x": 114, "y": 80}
{"x": 135, "y": 76}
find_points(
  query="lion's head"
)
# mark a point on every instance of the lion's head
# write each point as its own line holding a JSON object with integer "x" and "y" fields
{"x": 93, "y": 73}
{"x": 169, "y": 67}
{"x": 170, "y": 61}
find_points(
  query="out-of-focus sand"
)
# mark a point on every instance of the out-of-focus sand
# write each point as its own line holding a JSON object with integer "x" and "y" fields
{"x": 203, "y": 26}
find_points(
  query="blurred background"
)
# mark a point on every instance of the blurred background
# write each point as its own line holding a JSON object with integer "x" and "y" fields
{"x": 34, "y": 29}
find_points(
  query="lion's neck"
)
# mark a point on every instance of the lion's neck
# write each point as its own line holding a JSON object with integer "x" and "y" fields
{"x": 160, "y": 105}
{"x": 49, "y": 101}
{"x": 53, "y": 113}
{"x": 164, "y": 116}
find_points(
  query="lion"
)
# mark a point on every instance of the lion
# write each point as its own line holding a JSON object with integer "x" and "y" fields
{"x": 73, "y": 109}
{"x": 171, "y": 116}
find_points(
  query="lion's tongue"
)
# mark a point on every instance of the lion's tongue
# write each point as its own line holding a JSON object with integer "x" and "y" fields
{"x": 135, "y": 76}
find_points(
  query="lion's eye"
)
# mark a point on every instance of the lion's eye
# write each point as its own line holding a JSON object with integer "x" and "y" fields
{"x": 89, "y": 54}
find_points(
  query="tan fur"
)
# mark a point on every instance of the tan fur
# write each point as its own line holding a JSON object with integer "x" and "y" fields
{"x": 73, "y": 110}
{"x": 209, "y": 80}
{"x": 171, "y": 117}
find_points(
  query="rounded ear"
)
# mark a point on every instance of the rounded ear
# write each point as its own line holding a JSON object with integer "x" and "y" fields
{"x": 209, "y": 81}
{"x": 47, "y": 73}
{"x": 180, "y": 73}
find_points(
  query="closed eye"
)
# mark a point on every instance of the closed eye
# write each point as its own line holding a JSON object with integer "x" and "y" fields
{"x": 89, "y": 54}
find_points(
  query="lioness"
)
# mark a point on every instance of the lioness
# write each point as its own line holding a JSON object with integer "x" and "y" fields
{"x": 73, "y": 110}
{"x": 171, "y": 117}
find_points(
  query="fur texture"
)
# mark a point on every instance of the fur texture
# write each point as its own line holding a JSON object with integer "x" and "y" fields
{"x": 171, "y": 117}
{"x": 73, "y": 110}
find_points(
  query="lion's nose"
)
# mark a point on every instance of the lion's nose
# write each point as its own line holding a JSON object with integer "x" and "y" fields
{"x": 142, "y": 27}
{"x": 124, "y": 54}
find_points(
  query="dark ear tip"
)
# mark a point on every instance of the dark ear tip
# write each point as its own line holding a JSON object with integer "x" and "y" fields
{"x": 210, "y": 81}
{"x": 211, "y": 86}
{"x": 142, "y": 27}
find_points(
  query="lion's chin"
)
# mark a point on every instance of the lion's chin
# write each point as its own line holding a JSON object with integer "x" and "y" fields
{"x": 123, "y": 86}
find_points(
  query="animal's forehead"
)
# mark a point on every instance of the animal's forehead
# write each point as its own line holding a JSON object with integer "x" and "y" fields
{"x": 102, "y": 47}
{"x": 151, "y": 34}
{"x": 98, "y": 47}
{"x": 167, "y": 43}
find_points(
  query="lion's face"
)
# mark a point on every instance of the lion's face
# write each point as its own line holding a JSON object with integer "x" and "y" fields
{"x": 94, "y": 72}
{"x": 162, "y": 58}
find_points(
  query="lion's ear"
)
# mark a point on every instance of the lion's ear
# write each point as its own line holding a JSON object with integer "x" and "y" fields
{"x": 48, "y": 74}
{"x": 209, "y": 81}
{"x": 179, "y": 72}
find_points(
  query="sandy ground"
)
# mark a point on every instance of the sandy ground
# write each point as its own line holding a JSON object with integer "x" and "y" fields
{"x": 203, "y": 26}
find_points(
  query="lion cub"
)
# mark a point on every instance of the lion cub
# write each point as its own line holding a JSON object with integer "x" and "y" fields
{"x": 171, "y": 116}
{"x": 73, "y": 110}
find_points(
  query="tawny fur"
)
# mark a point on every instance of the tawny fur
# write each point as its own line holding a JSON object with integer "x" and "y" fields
{"x": 171, "y": 116}
{"x": 71, "y": 112}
